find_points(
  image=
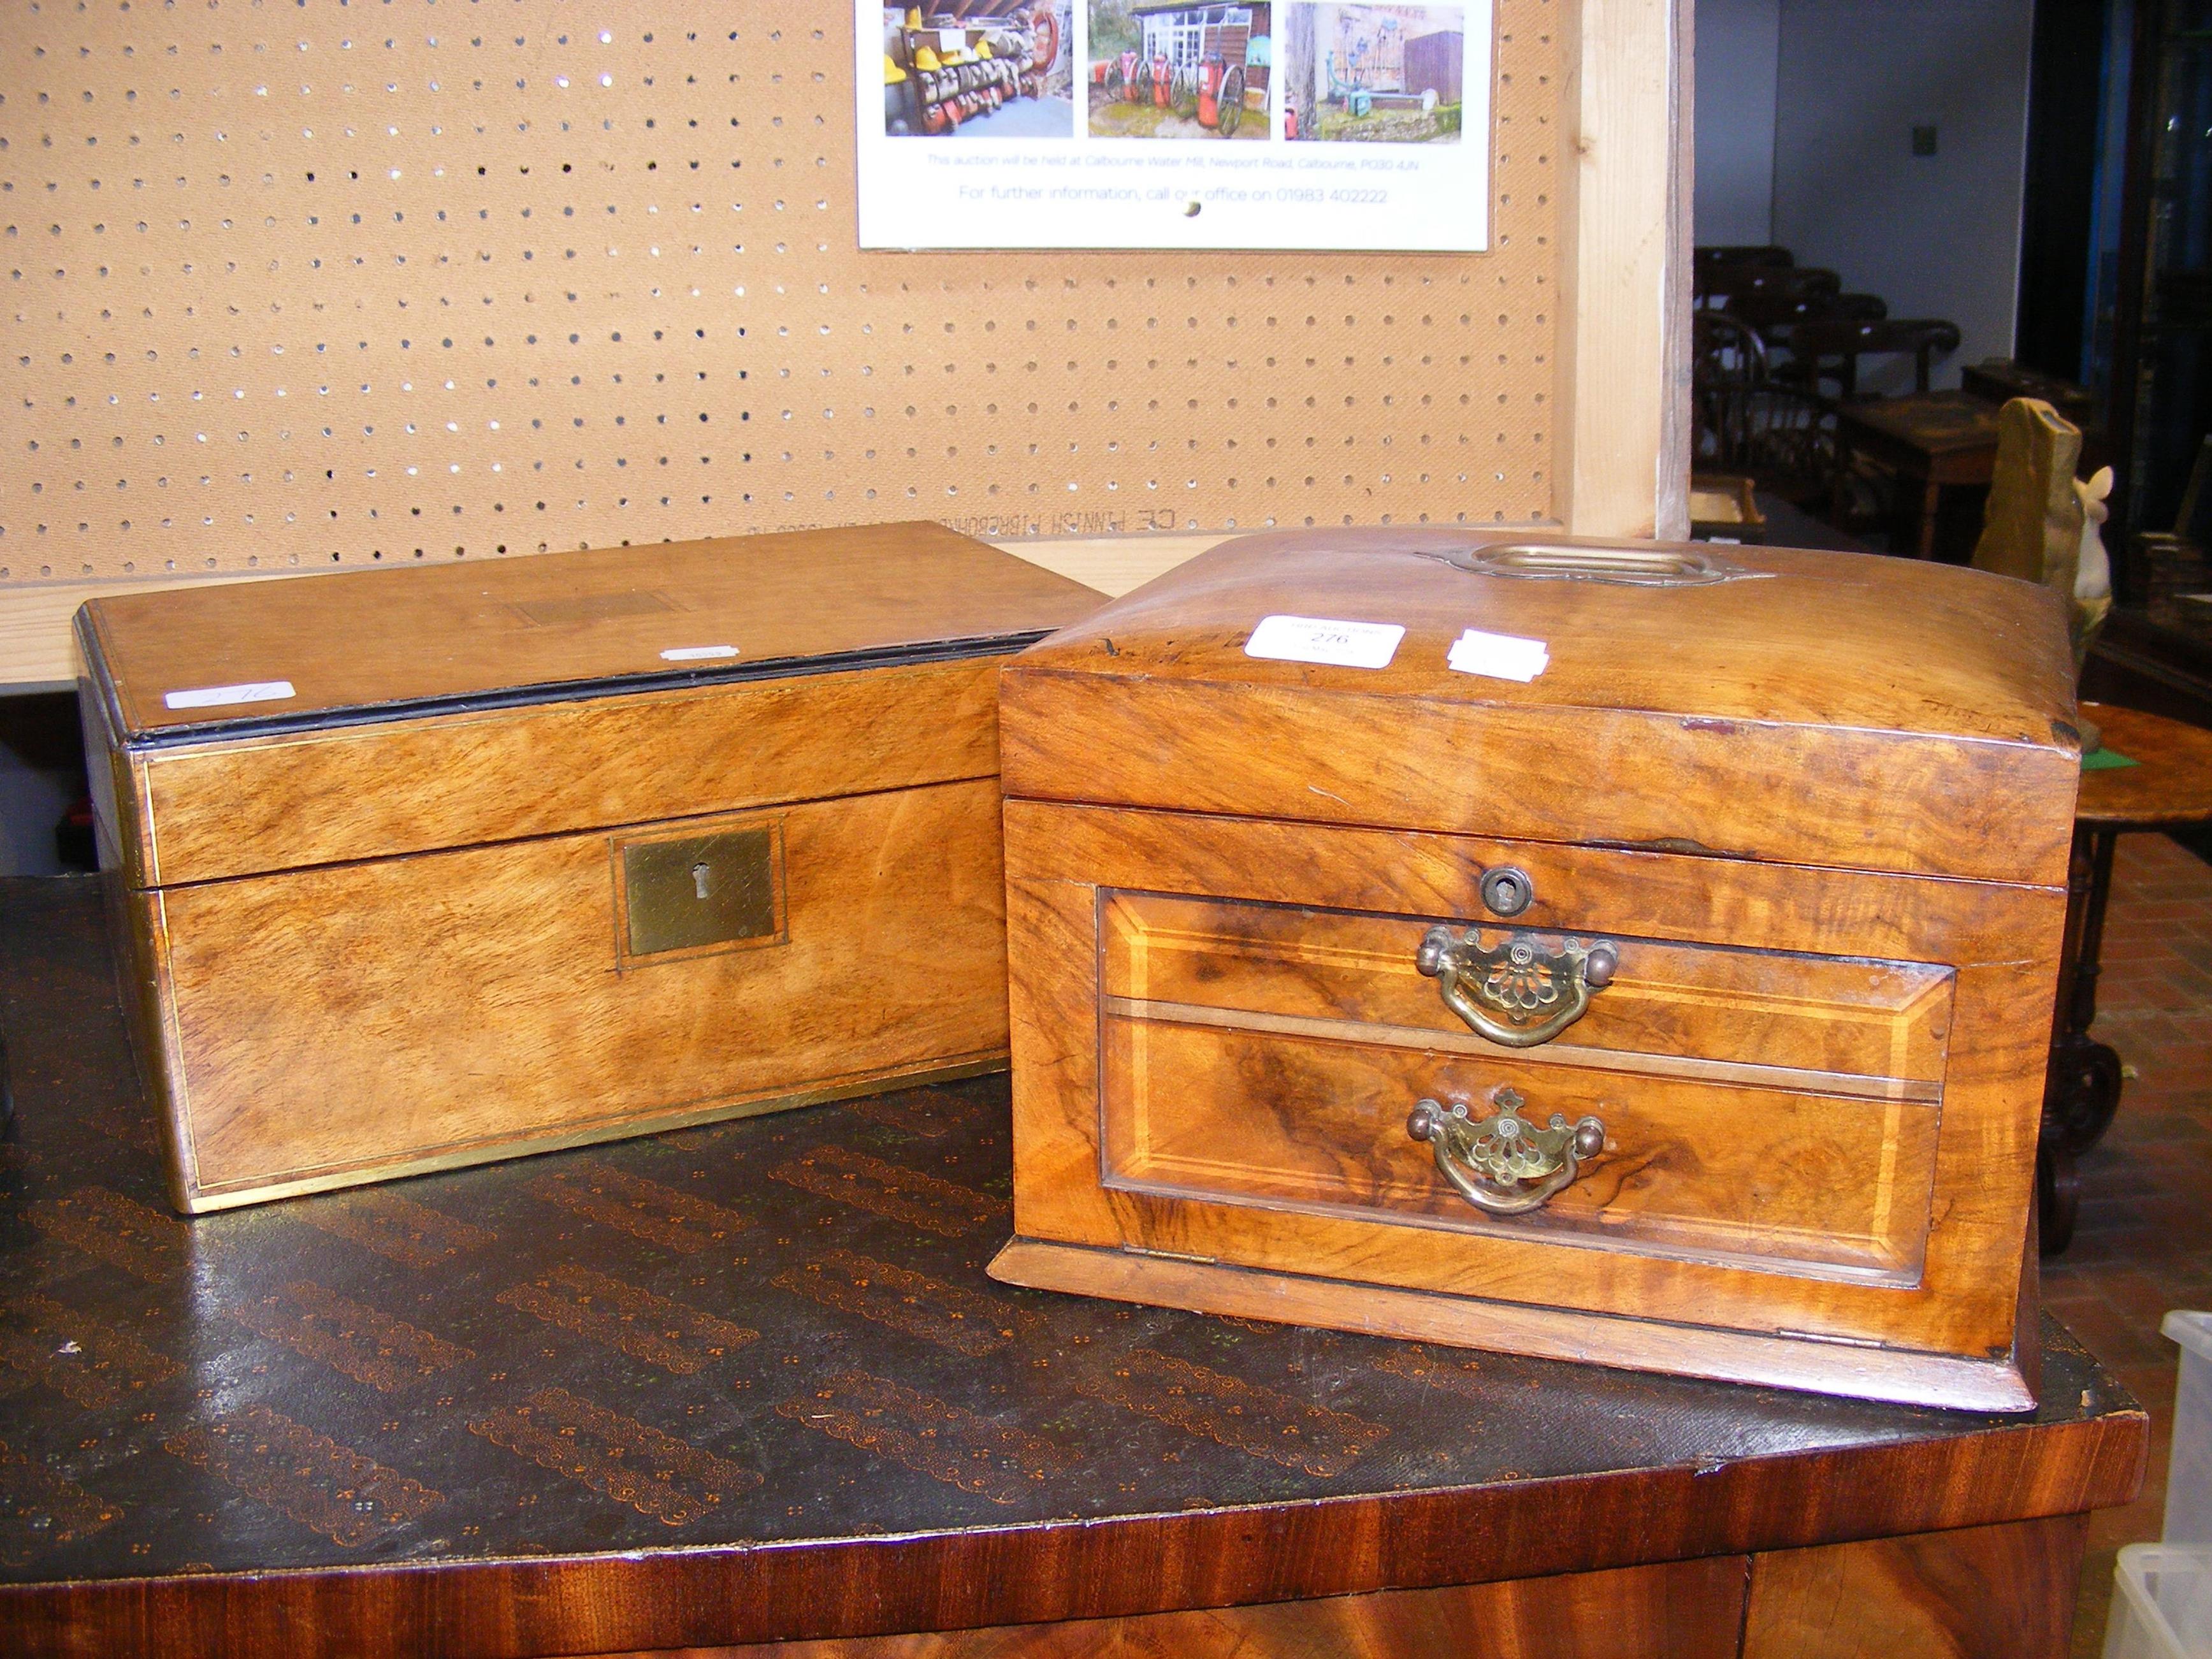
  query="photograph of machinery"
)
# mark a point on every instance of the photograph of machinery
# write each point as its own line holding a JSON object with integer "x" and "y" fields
{"x": 992, "y": 69}
{"x": 1387, "y": 74}
{"x": 1166, "y": 68}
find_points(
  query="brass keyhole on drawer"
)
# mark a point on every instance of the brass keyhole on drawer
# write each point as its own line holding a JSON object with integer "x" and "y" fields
{"x": 1507, "y": 891}
{"x": 699, "y": 880}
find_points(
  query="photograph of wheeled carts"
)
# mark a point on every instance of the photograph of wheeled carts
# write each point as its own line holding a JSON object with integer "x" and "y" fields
{"x": 1165, "y": 68}
{"x": 996, "y": 69}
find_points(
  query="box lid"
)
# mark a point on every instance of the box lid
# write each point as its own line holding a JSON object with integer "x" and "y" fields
{"x": 234, "y": 660}
{"x": 1804, "y": 707}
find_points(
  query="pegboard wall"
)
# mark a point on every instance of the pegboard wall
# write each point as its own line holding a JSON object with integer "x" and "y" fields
{"x": 304, "y": 283}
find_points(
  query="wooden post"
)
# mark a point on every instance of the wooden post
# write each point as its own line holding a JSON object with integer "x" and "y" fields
{"x": 1624, "y": 367}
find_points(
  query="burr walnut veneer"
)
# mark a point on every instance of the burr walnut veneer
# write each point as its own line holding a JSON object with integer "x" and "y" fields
{"x": 419, "y": 868}
{"x": 1682, "y": 1007}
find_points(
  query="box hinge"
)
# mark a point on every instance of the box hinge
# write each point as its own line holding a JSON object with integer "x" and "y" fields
{"x": 1170, "y": 1255}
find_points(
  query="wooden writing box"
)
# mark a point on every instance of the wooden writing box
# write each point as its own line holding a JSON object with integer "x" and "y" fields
{"x": 1745, "y": 912}
{"x": 438, "y": 865}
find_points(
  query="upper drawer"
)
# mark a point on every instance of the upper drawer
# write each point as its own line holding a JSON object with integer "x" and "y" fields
{"x": 1783, "y": 1019}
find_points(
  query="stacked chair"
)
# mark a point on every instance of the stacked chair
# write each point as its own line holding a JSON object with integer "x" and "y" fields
{"x": 1776, "y": 349}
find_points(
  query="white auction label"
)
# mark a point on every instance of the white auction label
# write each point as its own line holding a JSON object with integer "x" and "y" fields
{"x": 697, "y": 652}
{"x": 217, "y": 697}
{"x": 1498, "y": 656}
{"x": 1317, "y": 639}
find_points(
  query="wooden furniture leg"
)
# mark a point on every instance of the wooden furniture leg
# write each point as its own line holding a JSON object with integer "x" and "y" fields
{"x": 2081, "y": 1089}
{"x": 1931, "y": 499}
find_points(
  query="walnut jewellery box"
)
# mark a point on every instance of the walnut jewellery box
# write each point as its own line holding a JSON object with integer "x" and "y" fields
{"x": 418, "y": 868}
{"x": 1666, "y": 983}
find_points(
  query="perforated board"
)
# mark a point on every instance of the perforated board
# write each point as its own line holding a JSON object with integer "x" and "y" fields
{"x": 320, "y": 284}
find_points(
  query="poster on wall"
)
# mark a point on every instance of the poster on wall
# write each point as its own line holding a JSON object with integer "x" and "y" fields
{"x": 1305, "y": 125}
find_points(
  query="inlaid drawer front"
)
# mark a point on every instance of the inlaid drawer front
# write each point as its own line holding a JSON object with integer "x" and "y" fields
{"x": 1831, "y": 1023}
{"x": 1767, "y": 1110}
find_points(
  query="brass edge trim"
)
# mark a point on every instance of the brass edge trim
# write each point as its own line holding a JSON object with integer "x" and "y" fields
{"x": 1907, "y": 1376}
{"x": 172, "y": 1083}
{"x": 142, "y": 857}
{"x": 92, "y": 640}
{"x": 206, "y": 1199}
{"x": 148, "y": 822}
{"x": 1726, "y": 1072}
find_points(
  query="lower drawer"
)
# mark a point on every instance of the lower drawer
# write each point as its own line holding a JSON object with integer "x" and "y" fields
{"x": 325, "y": 1027}
{"x": 1781, "y": 1181}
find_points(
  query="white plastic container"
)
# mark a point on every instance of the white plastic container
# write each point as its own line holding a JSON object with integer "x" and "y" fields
{"x": 2189, "y": 1475}
{"x": 2161, "y": 1603}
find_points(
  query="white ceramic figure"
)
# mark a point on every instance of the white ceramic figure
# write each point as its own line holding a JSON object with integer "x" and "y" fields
{"x": 2093, "y": 571}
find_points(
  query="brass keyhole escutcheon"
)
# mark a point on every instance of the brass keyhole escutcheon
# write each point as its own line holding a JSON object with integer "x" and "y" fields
{"x": 694, "y": 892}
{"x": 1507, "y": 891}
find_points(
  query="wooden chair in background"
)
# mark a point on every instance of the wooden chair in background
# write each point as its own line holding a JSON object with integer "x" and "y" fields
{"x": 1776, "y": 316}
{"x": 1715, "y": 256}
{"x": 1745, "y": 422}
{"x": 1722, "y": 285}
{"x": 1828, "y": 348}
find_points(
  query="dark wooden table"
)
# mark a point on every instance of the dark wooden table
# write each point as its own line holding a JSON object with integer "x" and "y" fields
{"x": 2169, "y": 787}
{"x": 748, "y": 1383}
{"x": 1935, "y": 438}
{"x": 1998, "y": 380}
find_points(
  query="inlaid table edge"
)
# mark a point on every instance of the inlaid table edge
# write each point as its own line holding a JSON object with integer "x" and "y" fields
{"x": 1109, "y": 1567}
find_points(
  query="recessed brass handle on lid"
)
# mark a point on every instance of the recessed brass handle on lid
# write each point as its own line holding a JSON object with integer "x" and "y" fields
{"x": 1632, "y": 567}
{"x": 1506, "y": 1165}
{"x": 1518, "y": 992}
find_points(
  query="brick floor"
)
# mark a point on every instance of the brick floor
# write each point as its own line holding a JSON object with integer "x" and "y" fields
{"x": 2144, "y": 1241}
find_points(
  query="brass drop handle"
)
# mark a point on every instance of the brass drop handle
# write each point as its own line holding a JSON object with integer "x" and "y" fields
{"x": 1494, "y": 1162}
{"x": 1517, "y": 993}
